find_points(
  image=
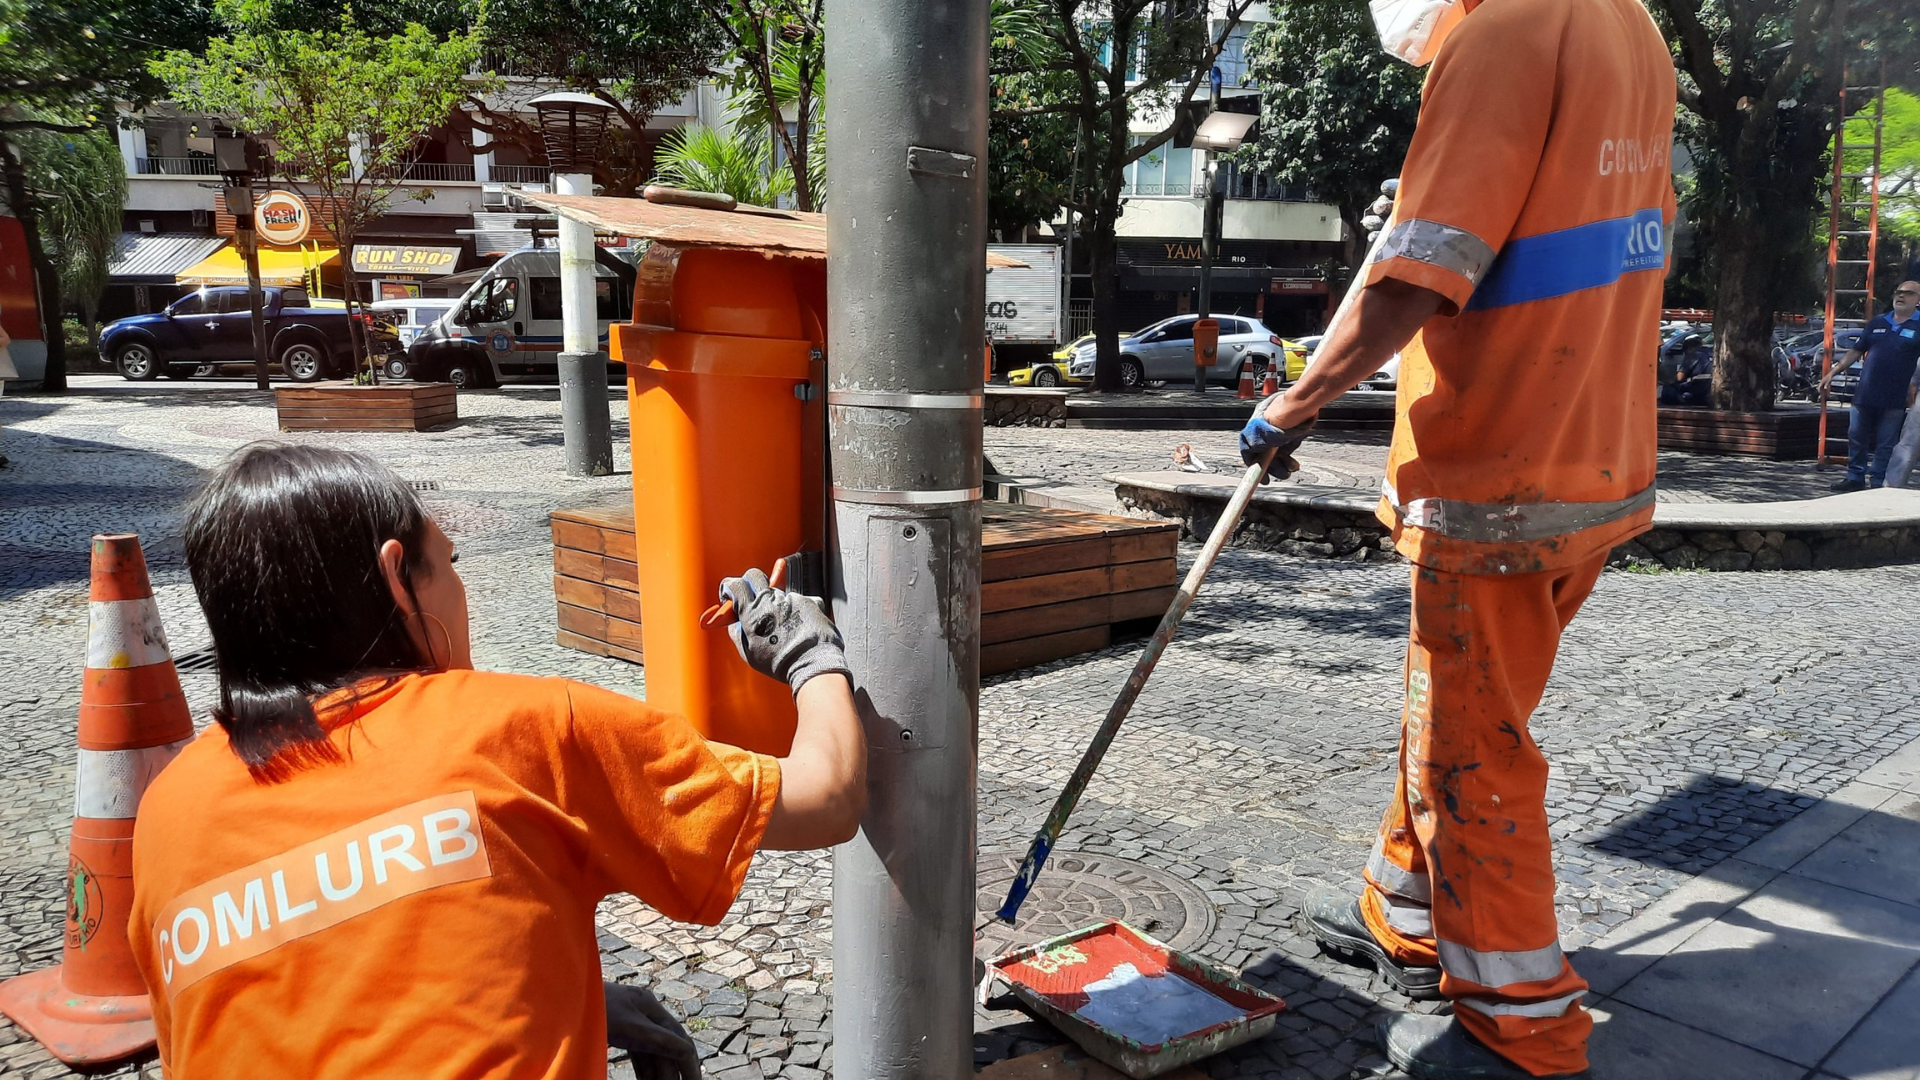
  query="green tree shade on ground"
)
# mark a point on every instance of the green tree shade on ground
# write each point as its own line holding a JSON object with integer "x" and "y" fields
{"x": 344, "y": 109}
{"x": 1336, "y": 112}
{"x": 64, "y": 64}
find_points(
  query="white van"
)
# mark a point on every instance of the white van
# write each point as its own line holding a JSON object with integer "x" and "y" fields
{"x": 507, "y": 324}
{"x": 408, "y": 317}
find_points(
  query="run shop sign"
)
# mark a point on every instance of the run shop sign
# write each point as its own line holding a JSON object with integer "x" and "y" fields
{"x": 391, "y": 259}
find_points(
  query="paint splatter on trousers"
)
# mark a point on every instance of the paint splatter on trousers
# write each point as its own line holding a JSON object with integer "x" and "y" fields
{"x": 1462, "y": 874}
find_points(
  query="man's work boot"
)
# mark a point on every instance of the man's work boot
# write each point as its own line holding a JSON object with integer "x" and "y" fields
{"x": 1333, "y": 919}
{"x": 1439, "y": 1048}
{"x": 1849, "y": 484}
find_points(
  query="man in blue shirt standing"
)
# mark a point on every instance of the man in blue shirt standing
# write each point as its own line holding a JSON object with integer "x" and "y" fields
{"x": 1891, "y": 346}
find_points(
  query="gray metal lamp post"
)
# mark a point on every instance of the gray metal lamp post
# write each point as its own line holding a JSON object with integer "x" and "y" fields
{"x": 573, "y": 126}
{"x": 906, "y": 283}
{"x": 1222, "y": 132}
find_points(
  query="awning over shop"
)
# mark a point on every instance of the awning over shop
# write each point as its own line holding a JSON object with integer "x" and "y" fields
{"x": 158, "y": 258}
{"x": 278, "y": 266}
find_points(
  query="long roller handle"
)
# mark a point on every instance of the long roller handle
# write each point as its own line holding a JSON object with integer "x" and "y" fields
{"x": 1043, "y": 840}
{"x": 1049, "y": 832}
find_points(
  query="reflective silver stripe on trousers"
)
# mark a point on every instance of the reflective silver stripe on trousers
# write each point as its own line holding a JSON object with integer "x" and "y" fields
{"x": 1402, "y": 883}
{"x": 1497, "y": 522}
{"x": 1497, "y": 969}
{"x": 1413, "y": 920}
{"x": 108, "y": 784}
{"x": 1551, "y": 1007}
{"x": 1435, "y": 244}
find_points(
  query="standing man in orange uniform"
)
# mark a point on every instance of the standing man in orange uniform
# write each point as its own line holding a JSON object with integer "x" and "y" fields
{"x": 1521, "y": 275}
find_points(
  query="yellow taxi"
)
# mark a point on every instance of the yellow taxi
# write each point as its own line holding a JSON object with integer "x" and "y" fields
{"x": 1051, "y": 373}
{"x": 1296, "y": 353}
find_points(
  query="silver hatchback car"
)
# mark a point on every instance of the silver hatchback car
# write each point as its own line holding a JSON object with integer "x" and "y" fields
{"x": 1163, "y": 352}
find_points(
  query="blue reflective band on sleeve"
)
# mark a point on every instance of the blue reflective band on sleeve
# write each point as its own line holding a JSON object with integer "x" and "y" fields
{"x": 1566, "y": 261}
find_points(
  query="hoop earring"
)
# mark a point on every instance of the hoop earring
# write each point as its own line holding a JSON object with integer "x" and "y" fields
{"x": 446, "y": 635}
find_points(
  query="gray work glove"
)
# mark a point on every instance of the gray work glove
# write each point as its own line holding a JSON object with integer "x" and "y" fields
{"x": 785, "y": 635}
{"x": 657, "y": 1045}
{"x": 1382, "y": 208}
{"x": 1260, "y": 437}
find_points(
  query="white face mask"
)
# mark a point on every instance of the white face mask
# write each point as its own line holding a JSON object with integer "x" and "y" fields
{"x": 1413, "y": 29}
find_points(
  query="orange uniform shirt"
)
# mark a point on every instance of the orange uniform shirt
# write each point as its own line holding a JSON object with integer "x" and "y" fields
{"x": 424, "y": 908}
{"x": 1537, "y": 199}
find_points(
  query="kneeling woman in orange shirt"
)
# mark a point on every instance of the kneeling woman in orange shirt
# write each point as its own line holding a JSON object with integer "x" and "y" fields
{"x": 381, "y": 862}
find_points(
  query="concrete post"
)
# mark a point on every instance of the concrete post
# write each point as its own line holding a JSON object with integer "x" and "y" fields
{"x": 906, "y": 294}
{"x": 584, "y": 420}
{"x": 482, "y": 156}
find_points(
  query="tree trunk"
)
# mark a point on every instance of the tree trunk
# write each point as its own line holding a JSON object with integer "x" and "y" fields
{"x": 1743, "y": 375}
{"x": 1101, "y": 261}
{"x": 351, "y": 293}
{"x": 1354, "y": 244}
{"x": 46, "y": 276}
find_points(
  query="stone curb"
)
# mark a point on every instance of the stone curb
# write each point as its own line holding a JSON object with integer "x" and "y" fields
{"x": 1851, "y": 531}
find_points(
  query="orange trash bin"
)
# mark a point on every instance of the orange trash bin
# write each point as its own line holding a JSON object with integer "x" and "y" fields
{"x": 725, "y": 371}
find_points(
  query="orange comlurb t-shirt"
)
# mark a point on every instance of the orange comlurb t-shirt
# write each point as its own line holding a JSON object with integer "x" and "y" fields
{"x": 1536, "y": 198}
{"x": 425, "y": 907}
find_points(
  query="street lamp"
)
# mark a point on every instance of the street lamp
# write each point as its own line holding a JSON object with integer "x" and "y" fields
{"x": 1222, "y": 132}
{"x": 238, "y": 159}
{"x": 573, "y": 126}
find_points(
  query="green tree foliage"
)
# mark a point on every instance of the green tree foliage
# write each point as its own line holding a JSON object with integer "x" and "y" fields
{"x": 1123, "y": 59}
{"x": 738, "y": 162}
{"x": 345, "y": 110}
{"x": 638, "y": 55}
{"x": 1336, "y": 112}
{"x": 1030, "y": 153}
{"x": 80, "y": 184}
{"x": 64, "y": 64}
{"x": 1759, "y": 89}
{"x": 778, "y": 81}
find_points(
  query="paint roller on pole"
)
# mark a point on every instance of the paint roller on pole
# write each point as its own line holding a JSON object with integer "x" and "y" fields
{"x": 1063, "y": 807}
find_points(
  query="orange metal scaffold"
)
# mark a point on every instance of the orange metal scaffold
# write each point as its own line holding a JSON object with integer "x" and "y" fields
{"x": 1847, "y": 229}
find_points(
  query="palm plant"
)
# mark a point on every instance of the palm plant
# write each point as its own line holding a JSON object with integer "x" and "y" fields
{"x": 737, "y": 162}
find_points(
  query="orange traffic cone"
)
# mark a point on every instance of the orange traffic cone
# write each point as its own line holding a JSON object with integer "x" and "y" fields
{"x": 1271, "y": 386}
{"x": 1245, "y": 392}
{"x": 92, "y": 1006}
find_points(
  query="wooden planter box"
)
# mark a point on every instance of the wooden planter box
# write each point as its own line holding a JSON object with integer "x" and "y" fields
{"x": 1785, "y": 434}
{"x": 342, "y": 406}
{"x": 1053, "y": 583}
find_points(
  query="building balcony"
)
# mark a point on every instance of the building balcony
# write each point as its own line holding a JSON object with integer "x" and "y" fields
{"x": 194, "y": 165}
{"x": 520, "y": 174}
{"x": 440, "y": 172}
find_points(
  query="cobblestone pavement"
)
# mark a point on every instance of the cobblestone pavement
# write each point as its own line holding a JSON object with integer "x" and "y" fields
{"x": 1690, "y": 715}
{"x": 1356, "y": 459}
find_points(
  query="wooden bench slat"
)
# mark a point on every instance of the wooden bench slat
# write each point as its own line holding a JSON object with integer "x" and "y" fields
{"x": 1026, "y": 652}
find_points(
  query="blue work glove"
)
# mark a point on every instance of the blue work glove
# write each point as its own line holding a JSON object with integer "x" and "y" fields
{"x": 1258, "y": 437}
{"x": 781, "y": 634}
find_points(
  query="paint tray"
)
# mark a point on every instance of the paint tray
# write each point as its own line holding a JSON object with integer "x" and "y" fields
{"x": 1131, "y": 1001}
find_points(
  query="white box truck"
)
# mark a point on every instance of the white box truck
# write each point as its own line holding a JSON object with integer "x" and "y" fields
{"x": 1023, "y": 302}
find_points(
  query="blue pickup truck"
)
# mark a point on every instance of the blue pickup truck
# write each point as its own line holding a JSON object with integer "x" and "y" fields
{"x": 203, "y": 330}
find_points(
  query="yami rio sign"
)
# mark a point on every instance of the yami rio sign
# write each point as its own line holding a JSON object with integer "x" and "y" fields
{"x": 404, "y": 259}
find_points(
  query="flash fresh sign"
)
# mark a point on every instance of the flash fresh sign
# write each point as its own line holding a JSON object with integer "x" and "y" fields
{"x": 396, "y": 259}
{"x": 282, "y": 218}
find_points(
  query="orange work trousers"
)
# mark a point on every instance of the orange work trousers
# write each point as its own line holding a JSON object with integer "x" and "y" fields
{"x": 1462, "y": 874}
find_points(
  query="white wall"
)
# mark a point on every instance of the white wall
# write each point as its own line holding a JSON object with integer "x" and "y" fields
{"x": 1241, "y": 219}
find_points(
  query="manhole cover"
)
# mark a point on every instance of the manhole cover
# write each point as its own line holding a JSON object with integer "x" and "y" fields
{"x": 1075, "y": 890}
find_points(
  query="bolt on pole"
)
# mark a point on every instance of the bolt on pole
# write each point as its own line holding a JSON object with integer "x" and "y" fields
{"x": 585, "y": 423}
{"x": 906, "y": 296}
